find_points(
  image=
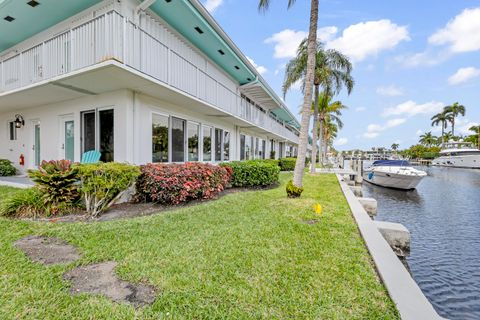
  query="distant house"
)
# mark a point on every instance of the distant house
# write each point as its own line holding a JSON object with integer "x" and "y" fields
{"x": 151, "y": 81}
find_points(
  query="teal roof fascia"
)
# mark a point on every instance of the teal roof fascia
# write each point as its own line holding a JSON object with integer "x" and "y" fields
{"x": 32, "y": 20}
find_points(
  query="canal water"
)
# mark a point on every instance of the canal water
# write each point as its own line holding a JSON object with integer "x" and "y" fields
{"x": 443, "y": 216}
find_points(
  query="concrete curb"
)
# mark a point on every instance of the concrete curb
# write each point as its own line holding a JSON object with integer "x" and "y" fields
{"x": 404, "y": 291}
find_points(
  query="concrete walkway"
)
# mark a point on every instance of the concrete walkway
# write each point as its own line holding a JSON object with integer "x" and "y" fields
{"x": 17, "y": 182}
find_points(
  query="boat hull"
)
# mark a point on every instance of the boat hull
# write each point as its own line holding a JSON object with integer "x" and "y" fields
{"x": 392, "y": 180}
{"x": 467, "y": 161}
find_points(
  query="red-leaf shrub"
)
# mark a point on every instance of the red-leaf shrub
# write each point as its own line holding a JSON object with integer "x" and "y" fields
{"x": 177, "y": 183}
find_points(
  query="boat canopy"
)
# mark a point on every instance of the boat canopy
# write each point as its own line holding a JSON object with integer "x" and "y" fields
{"x": 393, "y": 163}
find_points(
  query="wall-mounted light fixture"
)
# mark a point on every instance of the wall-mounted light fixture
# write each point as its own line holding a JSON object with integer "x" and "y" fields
{"x": 19, "y": 121}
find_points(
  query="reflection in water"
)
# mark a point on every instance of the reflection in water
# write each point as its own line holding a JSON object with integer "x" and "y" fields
{"x": 443, "y": 216}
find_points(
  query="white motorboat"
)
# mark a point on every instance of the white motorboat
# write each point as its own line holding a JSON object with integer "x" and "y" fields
{"x": 398, "y": 174}
{"x": 458, "y": 155}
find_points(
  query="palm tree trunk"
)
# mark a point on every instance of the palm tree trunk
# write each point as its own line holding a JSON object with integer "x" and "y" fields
{"x": 315, "y": 121}
{"x": 307, "y": 101}
{"x": 320, "y": 138}
{"x": 443, "y": 126}
{"x": 453, "y": 127}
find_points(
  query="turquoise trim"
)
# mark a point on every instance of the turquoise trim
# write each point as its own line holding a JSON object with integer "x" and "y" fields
{"x": 32, "y": 20}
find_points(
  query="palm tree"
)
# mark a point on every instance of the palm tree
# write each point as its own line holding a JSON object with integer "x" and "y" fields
{"x": 442, "y": 118}
{"x": 476, "y": 129}
{"x": 454, "y": 111}
{"x": 395, "y": 146}
{"x": 332, "y": 72}
{"x": 307, "y": 100}
{"x": 428, "y": 139}
{"x": 328, "y": 110}
{"x": 448, "y": 136}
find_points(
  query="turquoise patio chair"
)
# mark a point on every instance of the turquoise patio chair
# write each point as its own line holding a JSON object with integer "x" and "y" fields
{"x": 91, "y": 157}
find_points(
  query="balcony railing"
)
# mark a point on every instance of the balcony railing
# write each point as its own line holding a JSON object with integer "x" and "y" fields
{"x": 111, "y": 36}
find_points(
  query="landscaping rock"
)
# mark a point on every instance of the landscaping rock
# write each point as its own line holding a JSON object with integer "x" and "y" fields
{"x": 101, "y": 279}
{"x": 47, "y": 250}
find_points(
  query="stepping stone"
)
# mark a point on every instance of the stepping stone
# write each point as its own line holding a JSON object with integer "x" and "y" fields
{"x": 101, "y": 279}
{"x": 47, "y": 251}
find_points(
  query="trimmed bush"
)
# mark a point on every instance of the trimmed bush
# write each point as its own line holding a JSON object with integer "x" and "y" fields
{"x": 179, "y": 183}
{"x": 7, "y": 168}
{"x": 253, "y": 173}
{"x": 104, "y": 183}
{"x": 56, "y": 181}
{"x": 287, "y": 164}
{"x": 292, "y": 191}
{"x": 22, "y": 203}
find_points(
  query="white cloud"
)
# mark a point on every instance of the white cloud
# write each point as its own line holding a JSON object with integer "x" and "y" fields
{"x": 260, "y": 69}
{"x": 463, "y": 129}
{"x": 340, "y": 141}
{"x": 357, "y": 41}
{"x": 360, "y": 109}
{"x": 423, "y": 59}
{"x": 463, "y": 75}
{"x": 212, "y": 5}
{"x": 411, "y": 108}
{"x": 373, "y": 130}
{"x": 286, "y": 42}
{"x": 461, "y": 34}
{"x": 419, "y": 132}
{"x": 369, "y": 38}
{"x": 326, "y": 34}
{"x": 390, "y": 91}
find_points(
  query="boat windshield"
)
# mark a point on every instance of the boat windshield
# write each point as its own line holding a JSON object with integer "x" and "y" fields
{"x": 458, "y": 145}
{"x": 396, "y": 163}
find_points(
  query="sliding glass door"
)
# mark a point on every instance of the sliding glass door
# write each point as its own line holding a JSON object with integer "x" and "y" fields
{"x": 98, "y": 133}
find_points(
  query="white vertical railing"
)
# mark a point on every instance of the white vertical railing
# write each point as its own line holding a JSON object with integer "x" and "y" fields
{"x": 111, "y": 36}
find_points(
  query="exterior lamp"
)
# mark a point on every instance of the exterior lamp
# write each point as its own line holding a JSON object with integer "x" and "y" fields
{"x": 19, "y": 121}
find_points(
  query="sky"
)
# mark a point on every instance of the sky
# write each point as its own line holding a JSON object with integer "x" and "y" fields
{"x": 410, "y": 58}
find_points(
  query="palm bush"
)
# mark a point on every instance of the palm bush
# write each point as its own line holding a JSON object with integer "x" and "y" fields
{"x": 57, "y": 182}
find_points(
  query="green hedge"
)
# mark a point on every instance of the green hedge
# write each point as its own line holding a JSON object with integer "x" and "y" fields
{"x": 287, "y": 164}
{"x": 7, "y": 168}
{"x": 253, "y": 173}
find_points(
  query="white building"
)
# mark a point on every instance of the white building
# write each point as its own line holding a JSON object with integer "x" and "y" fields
{"x": 151, "y": 81}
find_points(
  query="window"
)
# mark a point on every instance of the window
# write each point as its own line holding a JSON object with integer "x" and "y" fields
{"x": 207, "y": 143}
{"x": 159, "y": 138}
{"x": 248, "y": 148}
{"x": 192, "y": 141}
{"x": 178, "y": 140}
{"x": 218, "y": 144}
{"x": 226, "y": 146}
{"x": 272, "y": 148}
{"x": 257, "y": 149}
{"x": 88, "y": 131}
{"x": 263, "y": 146}
{"x": 106, "y": 135}
{"x": 97, "y": 133}
{"x": 242, "y": 147}
{"x": 12, "y": 131}
{"x": 281, "y": 150}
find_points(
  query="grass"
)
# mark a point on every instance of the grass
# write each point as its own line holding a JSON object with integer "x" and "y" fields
{"x": 5, "y": 191}
{"x": 248, "y": 255}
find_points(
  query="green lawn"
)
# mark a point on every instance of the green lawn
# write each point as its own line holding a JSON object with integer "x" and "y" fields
{"x": 247, "y": 255}
{"x": 4, "y": 191}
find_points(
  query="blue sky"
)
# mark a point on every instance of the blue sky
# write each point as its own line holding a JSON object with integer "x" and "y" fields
{"x": 410, "y": 59}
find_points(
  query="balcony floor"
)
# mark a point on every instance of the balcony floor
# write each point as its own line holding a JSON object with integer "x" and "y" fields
{"x": 107, "y": 77}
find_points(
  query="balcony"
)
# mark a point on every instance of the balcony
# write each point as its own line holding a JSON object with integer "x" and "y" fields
{"x": 112, "y": 37}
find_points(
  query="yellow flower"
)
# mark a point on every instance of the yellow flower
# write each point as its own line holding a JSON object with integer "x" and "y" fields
{"x": 317, "y": 208}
